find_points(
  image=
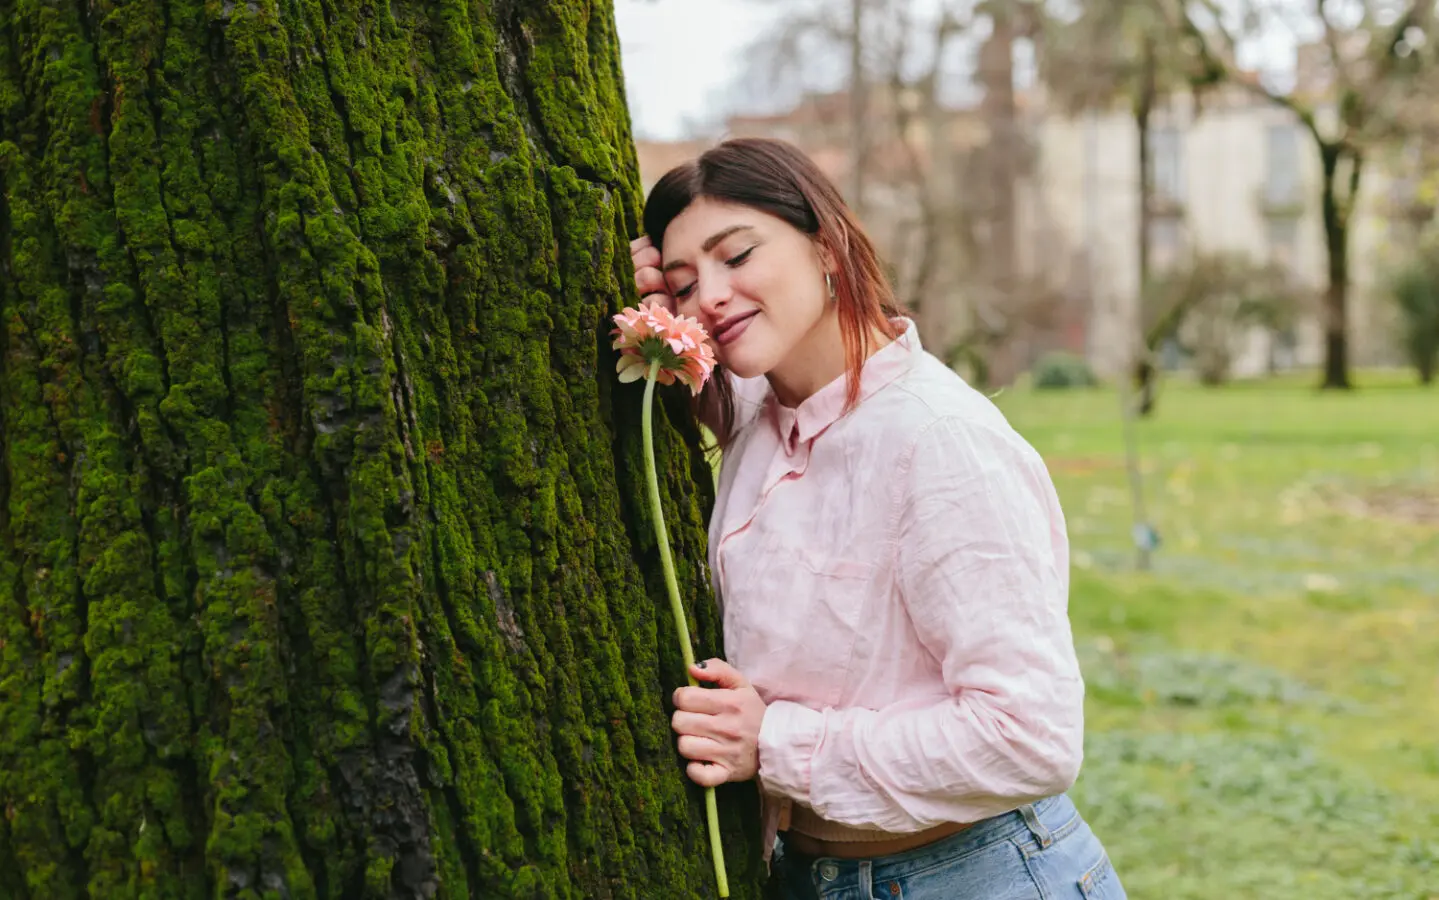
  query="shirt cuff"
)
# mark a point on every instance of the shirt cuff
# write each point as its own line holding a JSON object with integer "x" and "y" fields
{"x": 788, "y": 738}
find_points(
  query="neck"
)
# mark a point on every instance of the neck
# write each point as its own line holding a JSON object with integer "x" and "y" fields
{"x": 815, "y": 362}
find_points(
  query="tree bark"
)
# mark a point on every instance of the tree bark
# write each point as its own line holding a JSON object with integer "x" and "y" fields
{"x": 1336, "y": 241}
{"x": 325, "y": 568}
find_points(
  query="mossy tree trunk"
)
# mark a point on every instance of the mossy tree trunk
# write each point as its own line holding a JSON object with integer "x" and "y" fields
{"x": 325, "y": 569}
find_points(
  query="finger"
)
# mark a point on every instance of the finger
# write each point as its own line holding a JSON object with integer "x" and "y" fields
{"x": 650, "y": 281}
{"x": 702, "y": 700}
{"x": 697, "y": 724}
{"x": 648, "y": 257}
{"x": 708, "y": 774}
{"x": 640, "y": 243}
{"x": 699, "y": 749}
{"x": 719, "y": 673}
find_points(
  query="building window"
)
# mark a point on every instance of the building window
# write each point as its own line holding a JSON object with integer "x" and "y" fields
{"x": 1281, "y": 181}
{"x": 1283, "y": 238}
{"x": 1166, "y": 164}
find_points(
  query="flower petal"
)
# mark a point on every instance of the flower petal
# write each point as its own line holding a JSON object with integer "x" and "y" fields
{"x": 653, "y": 332}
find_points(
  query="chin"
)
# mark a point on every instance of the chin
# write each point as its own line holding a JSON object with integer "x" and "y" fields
{"x": 756, "y": 353}
{"x": 744, "y": 365}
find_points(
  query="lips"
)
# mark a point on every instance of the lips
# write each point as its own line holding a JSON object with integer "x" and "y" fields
{"x": 730, "y": 329}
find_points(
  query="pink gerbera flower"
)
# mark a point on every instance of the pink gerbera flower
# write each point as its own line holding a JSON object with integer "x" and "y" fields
{"x": 653, "y": 333}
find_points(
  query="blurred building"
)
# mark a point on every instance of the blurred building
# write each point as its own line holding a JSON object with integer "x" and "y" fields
{"x": 1237, "y": 174}
{"x": 1033, "y": 217}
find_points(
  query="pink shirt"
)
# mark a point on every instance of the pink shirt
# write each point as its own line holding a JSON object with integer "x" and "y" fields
{"x": 894, "y": 583}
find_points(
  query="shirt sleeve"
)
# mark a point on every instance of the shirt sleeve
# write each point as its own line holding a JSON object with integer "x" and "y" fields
{"x": 983, "y": 570}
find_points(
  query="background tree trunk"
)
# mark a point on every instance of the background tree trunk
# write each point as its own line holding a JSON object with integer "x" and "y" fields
{"x": 858, "y": 109}
{"x": 324, "y": 562}
{"x": 1336, "y": 213}
{"x": 1002, "y": 159}
{"x": 1143, "y": 369}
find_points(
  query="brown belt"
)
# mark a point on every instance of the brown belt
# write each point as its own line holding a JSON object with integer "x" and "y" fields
{"x": 808, "y": 846}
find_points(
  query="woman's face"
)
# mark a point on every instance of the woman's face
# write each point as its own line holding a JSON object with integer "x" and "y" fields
{"x": 754, "y": 282}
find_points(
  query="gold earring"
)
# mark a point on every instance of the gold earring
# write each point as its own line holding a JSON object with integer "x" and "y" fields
{"x": 829, "y": 283}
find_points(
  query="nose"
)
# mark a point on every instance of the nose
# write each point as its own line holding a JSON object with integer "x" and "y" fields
{"x": 714, "y": 293}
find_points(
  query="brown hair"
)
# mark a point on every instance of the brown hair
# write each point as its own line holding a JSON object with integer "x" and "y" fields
{"x": 777, "y": 178}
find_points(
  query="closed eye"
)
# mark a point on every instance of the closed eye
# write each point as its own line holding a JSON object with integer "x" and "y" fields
{"x": 733, "y": 262}
{"x": 738, "y": 260}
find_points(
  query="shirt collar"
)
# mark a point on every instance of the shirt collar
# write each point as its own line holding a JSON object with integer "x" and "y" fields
{"x": 805, "y": 422}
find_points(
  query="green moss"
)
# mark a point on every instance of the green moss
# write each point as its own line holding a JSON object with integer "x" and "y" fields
{"x": 325, "y": 569}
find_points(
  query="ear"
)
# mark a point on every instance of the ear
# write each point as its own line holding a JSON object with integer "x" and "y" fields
{"x": 827, "y": 260}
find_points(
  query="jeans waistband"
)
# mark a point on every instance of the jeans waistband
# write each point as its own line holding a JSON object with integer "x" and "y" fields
{"x": 1044, "y": 821}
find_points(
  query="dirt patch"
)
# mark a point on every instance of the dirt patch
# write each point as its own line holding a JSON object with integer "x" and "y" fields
{"x": 1397, "y": 503}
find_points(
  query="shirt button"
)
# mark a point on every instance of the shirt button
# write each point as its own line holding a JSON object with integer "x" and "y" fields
{"x": 828, "y": 871}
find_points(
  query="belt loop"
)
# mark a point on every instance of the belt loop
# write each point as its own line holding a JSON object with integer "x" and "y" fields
{"x": 1036, "y": 827}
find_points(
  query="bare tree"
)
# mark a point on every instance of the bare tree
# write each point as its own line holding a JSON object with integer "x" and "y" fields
{"x": 809, "y": 39}
{"x": 1095, "y": 54}
{"x": 938, "y": 182}
{"x": 1103, "y": 52}
{"x": 1353, "y": 91}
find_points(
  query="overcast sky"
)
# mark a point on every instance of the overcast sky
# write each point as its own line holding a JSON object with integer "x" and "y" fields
{"x": 679, "y": 55}
{"x": 682, "y": 58}
{"x": 685, "y": 60}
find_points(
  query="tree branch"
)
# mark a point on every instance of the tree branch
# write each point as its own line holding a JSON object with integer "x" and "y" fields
{"x": 1336, "y": 54}
{"x": 779, "y": 54}
{"x": 949, "y": 26}
{"x": 1228, "y": 62}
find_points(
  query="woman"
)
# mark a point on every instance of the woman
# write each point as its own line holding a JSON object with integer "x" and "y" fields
{"x": 889, "y": 556}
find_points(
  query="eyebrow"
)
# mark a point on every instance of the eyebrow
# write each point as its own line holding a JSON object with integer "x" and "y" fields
{"x": 708, "y": 245}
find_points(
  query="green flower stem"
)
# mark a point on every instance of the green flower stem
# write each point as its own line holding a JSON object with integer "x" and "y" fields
{"x": 676, "y": 607}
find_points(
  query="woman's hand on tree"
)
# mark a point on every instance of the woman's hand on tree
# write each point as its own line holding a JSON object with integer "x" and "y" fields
{"x": 719, "y": 726}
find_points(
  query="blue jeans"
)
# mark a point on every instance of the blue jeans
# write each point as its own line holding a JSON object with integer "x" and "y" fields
{"x": 1039, "y": 852}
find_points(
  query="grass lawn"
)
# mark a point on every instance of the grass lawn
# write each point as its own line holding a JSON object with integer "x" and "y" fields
{"x": 1263, "y": 705}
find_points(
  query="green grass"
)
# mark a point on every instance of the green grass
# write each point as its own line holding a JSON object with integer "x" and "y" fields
{"x": 1263, "y": 704}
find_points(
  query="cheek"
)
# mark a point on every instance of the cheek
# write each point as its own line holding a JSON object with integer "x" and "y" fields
{"x": 801, "y": 306}
{"x": 787, "y": 293}
{"x": 768, "y": 285}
